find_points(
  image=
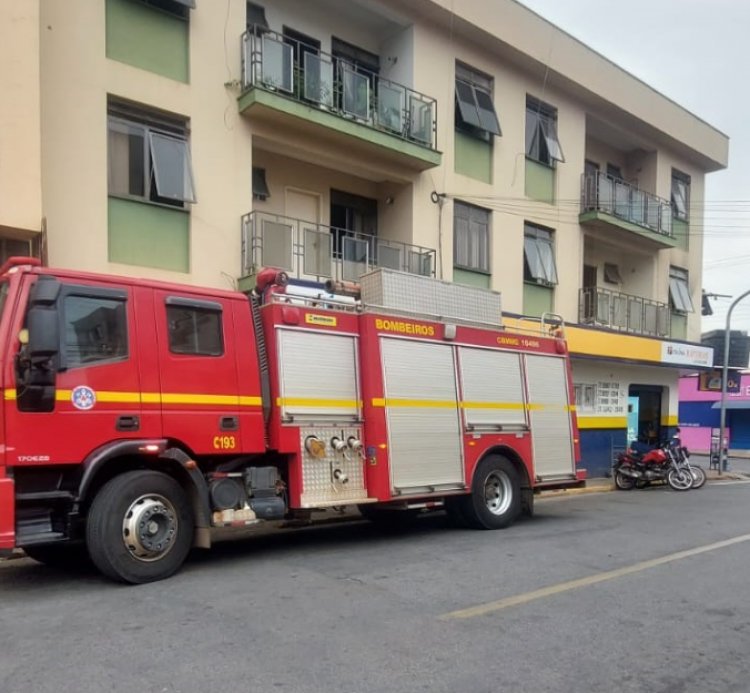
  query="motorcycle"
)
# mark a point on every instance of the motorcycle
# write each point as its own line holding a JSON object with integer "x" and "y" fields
{"x": 666, "y": 463}
{"x": 683, "y": 459}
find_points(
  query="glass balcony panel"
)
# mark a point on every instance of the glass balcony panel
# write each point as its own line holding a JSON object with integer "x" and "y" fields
{"x": 650, "y": 318}
{"x": 278, "y": 61}
{"x": 603, "y": 308}
{"x": 356, "y": 97}
{"x": 622, "y": 200}
{"x": 390, "y": 111}
{"x": 606, "y": 194}
{"x": 355, "y": 258}
{"x": 662, "y": 323}
{"x": 666, "y": 220}
{"x": 389, "y": 256}
{"x": 635, "y": 314}
{"x": 620, "y": 312}
{"x": 319, "y": 79}
{"x": 276, "y": 244}
{"x": 637, "y": 209}
{"x": 317, "y": 252}
{"x": 420, "y": 120}
{"x": 420, "y": 263}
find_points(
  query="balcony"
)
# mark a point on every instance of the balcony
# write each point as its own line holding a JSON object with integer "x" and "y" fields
{"x": 293, "y": 87}
{"x": 613, "y": 204}
{"x": 623, "y": 312}
{"x": 307, "y": 250}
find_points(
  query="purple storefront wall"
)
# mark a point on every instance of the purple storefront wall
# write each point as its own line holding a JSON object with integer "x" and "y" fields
{"x": 696, "y": 415}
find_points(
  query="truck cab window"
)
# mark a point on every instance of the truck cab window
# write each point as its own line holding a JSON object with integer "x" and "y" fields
{"x": 195, "y": 330}
{"x": 95, "y": 330}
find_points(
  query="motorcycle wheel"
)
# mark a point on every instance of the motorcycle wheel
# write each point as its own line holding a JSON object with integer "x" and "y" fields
{"x": 699, "y": 475}
{"x": 680, "y": 479}
{"x": 624, "y": 482}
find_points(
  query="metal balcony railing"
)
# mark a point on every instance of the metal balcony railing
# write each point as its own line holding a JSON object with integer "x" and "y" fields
{"x": 309, "y": 250}
{"x": 602, "y": 193}
{"x": 623, "y": 312}
{"x": 302, "y": 72}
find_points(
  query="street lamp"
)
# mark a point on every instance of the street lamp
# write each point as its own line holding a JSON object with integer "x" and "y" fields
{"x": 724, "y": 369}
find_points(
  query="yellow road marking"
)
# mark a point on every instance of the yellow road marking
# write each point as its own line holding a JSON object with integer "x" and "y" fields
{"x": 526, "y": 597}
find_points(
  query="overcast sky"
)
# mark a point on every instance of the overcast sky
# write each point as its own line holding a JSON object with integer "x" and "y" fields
{"x": 695, "y": 52}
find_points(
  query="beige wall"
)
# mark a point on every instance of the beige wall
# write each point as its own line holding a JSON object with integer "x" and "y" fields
{"x": 20, "y": 143}
{"x": 71, "y": 189}
{"x": 74, "y": 137}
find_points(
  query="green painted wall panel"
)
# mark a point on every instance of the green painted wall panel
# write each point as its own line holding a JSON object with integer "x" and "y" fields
{"x": 681, "y": 230}
{"x": 537, "y": 299}
{"x": 148, "y": 235}
{"x": 473, "y": 157}
{"x": 148, "y": 38}
{"x": 540, "y": 181}
{"x": 678, "y": 326}
{"x": 469, "y": 278}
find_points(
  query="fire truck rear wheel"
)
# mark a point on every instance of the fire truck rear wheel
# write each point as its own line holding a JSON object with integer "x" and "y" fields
{"x": 495, "y": 499}
{"x": 140, "y": 527}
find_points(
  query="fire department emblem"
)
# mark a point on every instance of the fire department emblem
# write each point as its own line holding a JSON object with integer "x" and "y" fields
{"x": 83, "y": 397}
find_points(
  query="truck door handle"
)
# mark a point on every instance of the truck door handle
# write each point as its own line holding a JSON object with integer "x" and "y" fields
{"x": 229, "y": 423}
{"x": 128, "y": 423}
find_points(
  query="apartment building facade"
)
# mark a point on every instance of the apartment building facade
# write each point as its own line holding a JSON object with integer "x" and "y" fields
{"x": 197, "y": 141}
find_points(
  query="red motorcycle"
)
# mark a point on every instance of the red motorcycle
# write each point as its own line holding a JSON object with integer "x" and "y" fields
{"x": 634, "y": 469}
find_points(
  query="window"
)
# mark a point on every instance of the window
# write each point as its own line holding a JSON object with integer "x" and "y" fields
{"x": 475, "y": 111}
{"x": 585, "y": 397}
{"x": 680, "y": 195}
{"x": 95, "y": 330}
{"x": 679, "y": 291}
{"x": 471, "y": 237}
{"x": 255, "y": 18}
{"x": 612, "y": 274}
{"x": 542, "y": 144}
{"x": 180, "y": 8}
{"x": 539, "y": 256}
{"x": 149, "y": 156}
{"x": 194, "y": 327}
{"x": 260, "y": 187}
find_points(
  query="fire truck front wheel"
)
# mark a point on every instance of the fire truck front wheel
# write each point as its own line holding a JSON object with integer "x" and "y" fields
{"x": 140, "y": 527}
{"x": 495, "y": 499}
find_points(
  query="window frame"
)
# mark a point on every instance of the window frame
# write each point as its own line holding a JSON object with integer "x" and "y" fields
{"x": 470, "y": 115}
{"x": 94, "y": 293}
{"x": 156, "y": 131}
{"x": 680, "y": 184}
{"x": 540, "y": 241}
{"x": 679, "y": 291}
{"x": 541, "y": 129}
{"x": 484, "y": 235}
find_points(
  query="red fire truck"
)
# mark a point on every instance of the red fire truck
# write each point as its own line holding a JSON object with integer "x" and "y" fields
{"x": 139, "y": 415}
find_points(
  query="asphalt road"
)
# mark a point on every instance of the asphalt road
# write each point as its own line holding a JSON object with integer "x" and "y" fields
{"x": 624, "y": 591}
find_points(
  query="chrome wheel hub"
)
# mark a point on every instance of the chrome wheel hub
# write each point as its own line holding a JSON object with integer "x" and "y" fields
{"x": 149, "y": 527}
{"x": 498, "y": 492}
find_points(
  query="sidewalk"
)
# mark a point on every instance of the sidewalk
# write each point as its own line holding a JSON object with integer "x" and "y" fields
{"x": 739, "y": 470}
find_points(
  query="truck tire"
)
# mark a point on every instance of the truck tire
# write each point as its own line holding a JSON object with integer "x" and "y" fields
{"x": 140, "y": 527}
{"x": 495, "y": 499}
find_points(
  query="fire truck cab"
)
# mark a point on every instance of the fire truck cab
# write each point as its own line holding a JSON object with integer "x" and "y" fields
{"x": 139, "y": 415}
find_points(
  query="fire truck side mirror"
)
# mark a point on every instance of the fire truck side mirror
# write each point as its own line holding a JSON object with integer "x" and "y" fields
{"x": 43, "y": 333}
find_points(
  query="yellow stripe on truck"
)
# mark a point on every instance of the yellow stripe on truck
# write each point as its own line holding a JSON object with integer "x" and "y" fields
{"x": 449, "y": 404}
{"x": 317, "y": 402}
{"x": 117, "y": 397}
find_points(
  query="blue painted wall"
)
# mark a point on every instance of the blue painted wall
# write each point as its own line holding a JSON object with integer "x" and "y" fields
{"x": 597, "y": 446}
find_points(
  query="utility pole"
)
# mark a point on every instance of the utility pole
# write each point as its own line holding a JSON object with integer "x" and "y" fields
{"x": 724, "y": 373}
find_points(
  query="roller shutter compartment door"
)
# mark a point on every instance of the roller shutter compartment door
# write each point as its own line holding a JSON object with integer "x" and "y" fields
{"x": 549, "y": 414}
{"x": 318, "y": 374}
{"x": 492, "y": 388}
{"x": 424, "y": 435}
